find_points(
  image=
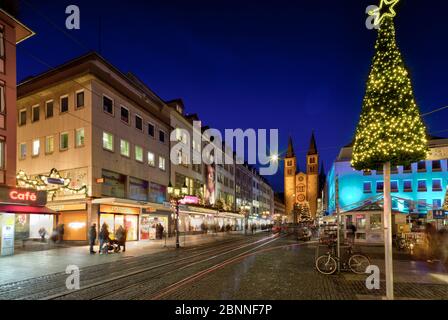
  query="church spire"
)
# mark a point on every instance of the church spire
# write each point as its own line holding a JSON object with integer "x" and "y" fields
{"x": 290, "y": 152}
{"x": 313, "y": 149}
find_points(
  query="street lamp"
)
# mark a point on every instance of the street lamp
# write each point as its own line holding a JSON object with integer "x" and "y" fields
{"x": 176, "y": 195}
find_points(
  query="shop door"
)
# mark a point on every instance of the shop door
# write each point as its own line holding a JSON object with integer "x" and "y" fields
{"x": 131, "y": 225}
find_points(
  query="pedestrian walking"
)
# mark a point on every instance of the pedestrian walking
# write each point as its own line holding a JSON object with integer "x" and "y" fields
{"x": 431, "y": 237}
{"x": 351, "y": 233}
{"x": 120, "y": 236}
{"x": 104, "y": 238}
{"x": 92, "y": 237}
{"x": 161, "y": 231}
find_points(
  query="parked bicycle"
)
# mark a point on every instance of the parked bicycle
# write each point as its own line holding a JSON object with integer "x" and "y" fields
{"x": 354, "y": 262}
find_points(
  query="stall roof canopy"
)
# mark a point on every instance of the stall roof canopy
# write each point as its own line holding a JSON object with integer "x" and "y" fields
{"x": 26, "y": 209}
{"x": 372, "y": 206}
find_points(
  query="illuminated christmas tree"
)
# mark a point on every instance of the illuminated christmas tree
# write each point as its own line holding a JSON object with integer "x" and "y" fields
{"x": 390, "y": 127}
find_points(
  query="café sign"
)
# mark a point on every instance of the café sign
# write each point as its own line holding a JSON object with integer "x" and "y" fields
{"x": 23, "y": 196}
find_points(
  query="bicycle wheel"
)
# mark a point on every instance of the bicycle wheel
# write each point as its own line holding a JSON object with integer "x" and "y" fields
{"x": 326, "y": 264}
{"x": 358, "y": 263}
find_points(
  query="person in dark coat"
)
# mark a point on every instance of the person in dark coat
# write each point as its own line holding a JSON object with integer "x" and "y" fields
{"x": 103, "y": 237}
{"x": 120, "y": 236}
{"x": 161, "y": 231}
{"x": 60, "y": 230}
{"x": 92, "y": 237}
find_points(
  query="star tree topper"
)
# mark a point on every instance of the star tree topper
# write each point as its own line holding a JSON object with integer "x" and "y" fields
{"x": 386, "y": 9}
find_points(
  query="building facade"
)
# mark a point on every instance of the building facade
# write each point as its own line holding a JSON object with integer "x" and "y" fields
{"x": 301, "y": 188}
{"x": 417, "y": 189}
{"x": 104, "y": 131}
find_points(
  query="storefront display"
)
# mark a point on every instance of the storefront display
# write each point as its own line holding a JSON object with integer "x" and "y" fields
{"x": 116, "y": 216}
{"x": 75, "y": 225}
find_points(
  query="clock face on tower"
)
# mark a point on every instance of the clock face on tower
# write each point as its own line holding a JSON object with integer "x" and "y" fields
{"x": 300, "y": 198}
{"x": 300, "y": 178}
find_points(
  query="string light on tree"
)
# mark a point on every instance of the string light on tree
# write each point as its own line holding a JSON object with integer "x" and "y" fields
{"x": 390, "y": 126}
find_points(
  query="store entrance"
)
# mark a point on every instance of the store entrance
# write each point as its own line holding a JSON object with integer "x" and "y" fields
{"x": 127, "y": 221}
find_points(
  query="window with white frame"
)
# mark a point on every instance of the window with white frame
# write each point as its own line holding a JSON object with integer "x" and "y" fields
{"x": 161, "y": 136}
{"x": 124, "y": 148}
{"x": 108, "y": 105}
{"x": 64, "y": 104}
{"x": 151, "y": 129}
{"x": 36, "y": 148}
{"x": 22, "y": 117}
{"x": 108, "y": 141}
{"x": 124, "y": 114}
{"x": 49, "y": 145}
{"x": 63, "y": 141}
{"x": 162, "y": 163}
{"x": 151, "y": 159}
{"x": 49, "y": 109}
{"x": 2, "y": 97}
{"x": 22, "y": 151}
{"x": 35, "y": 113}
{"x": 138, "y": 122}
{"x": 79, "y": 99}
{"x": 139, "y": 154}
{"x": 79, "y": 137}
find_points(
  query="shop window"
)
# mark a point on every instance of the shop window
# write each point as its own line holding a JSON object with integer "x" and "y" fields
{"x": 124, "y": 113}
{"x": 114, "y": 184}
{"x": 64, "y": 104}
{"x": 108, "y": 105}
{"x": 63, "y": 141}
{"x": 407, "y": 168}
{"x": 49, "y": 145}
{"x": 421, "y": 166}
{"x": 22, "y": 117}
{"x": 108, "y": 141}
{"x": 394, "y": 186}
{"x": 375, "y": 222}
{"x": 138, "y": 189}
{"x": 151, "y": 129}
{"x": 124, "y": 148}
{"x": 407, "y": 185}
{"x": 36, "y": 148}
{"x": 79, "y": 137}
{"x": 421, "y": 206}
{"x": 157, "y": 193}
{"x": 436, "y": 184}
{"x": 138, "y": 123}
{"x": 361, "y": 222}
{"x": 138, "y": 154}
{"x": 379, "y": 186}
{"x": 151, "y": 159}
{"x": 22, "y": 151}
{"x": 422, "y": 186}
{"x": 49, "y": 109}
{"x": 436, "y": 166}
{"x": 79, "y": 99}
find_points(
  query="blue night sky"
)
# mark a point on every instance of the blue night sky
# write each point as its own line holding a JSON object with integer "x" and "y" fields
{"x": 293, "y": 65}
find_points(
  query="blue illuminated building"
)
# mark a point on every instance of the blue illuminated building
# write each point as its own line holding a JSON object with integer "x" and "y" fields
{"x": 415, "y": 189}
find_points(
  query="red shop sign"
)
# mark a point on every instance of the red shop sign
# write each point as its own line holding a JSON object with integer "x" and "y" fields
{"x": 23, "y": 196}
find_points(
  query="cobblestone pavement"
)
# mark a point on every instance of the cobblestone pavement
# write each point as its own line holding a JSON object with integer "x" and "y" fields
{"x": 288, "y": 274}
{"x": 256, "y": 268}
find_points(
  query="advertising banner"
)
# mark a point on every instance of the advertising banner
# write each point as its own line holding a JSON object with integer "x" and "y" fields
{"x": 7, "y": 222}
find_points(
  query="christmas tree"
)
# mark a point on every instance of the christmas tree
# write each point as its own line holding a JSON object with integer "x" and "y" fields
{"x": 390, "y": 127}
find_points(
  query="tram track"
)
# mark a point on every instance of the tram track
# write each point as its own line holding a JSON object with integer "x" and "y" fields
{"x": 53, "y": 285}
{"x": 134, "y": 284}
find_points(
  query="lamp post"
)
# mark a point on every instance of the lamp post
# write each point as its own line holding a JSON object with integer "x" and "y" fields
{"x": 176, "y": 195}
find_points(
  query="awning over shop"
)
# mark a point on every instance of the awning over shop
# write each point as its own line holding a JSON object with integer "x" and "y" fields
{"x": 26, "y": 209}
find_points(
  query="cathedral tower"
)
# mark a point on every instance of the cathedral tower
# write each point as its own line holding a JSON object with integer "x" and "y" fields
{"x": 312, "y": 174}
{"x": 290, "y": 166}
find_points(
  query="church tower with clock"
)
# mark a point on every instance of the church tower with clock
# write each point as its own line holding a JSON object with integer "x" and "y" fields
{"x": 301, "y": 187}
